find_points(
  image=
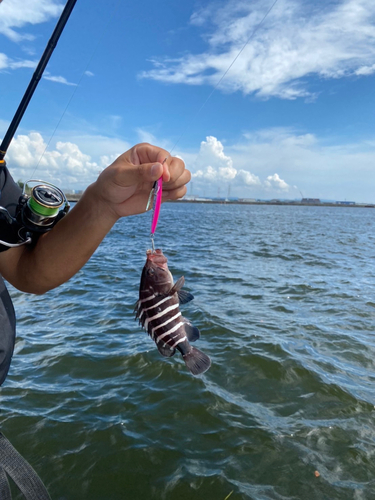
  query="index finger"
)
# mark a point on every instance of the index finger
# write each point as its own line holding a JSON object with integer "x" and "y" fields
{"x": 147, "y": 153}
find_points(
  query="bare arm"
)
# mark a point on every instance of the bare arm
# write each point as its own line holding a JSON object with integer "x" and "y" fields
{"x": 120, "y": 190}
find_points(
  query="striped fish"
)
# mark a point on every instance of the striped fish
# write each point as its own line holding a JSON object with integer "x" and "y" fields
{"x": 158, "y": 311}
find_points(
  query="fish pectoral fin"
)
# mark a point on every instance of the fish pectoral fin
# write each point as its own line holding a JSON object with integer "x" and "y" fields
{"x": 165, "y": 350}
{"x": 177, "y": 286}
{"x": 184, "y": 297}
{"x": 191, "y": 331}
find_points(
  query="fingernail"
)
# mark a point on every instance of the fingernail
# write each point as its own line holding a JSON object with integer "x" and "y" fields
{"x": 155, "y": 169}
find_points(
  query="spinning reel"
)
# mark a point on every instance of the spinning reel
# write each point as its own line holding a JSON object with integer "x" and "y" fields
{"x": 38, "y": 211}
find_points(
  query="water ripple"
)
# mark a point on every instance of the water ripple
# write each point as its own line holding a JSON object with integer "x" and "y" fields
{"x": 284, "y": 300}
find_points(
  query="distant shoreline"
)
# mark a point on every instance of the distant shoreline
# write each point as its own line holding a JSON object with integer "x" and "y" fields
{"x": 287, "y": 203}
{"x": 75, "y": 197}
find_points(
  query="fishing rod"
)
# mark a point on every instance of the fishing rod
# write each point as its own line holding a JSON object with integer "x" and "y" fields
{"x": 36, "y": 78}
{"x": 46, "y": 204}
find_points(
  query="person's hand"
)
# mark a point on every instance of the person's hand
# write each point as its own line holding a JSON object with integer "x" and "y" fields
{"x": 125, "y": 185}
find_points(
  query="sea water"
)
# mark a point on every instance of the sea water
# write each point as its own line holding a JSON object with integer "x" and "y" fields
{"x": 285, "y": 302}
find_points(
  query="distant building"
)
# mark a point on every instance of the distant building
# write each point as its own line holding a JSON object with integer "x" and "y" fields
{"x": 195, "y": 198}
{"x": 311, "y": 201}
{"x": 345, "y": 202}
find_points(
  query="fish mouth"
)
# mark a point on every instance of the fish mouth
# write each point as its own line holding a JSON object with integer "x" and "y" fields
{"x": 157, "y": 258}
{"x": 151, "y": 253}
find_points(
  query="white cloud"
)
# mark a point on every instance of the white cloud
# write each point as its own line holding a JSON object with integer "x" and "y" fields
{"x": 16, "y": 14}
{"x": 297, "y": 40}
{"x": 147, "y": 135}
{"x": 319, "y": 166}
{"x": 212, "y": 151}
{"x": 247, "y": 178}
{"x": 282, "y": 163}
{"x": 7, "y": 63}
{"x": 365, "y": 70}
{"x": 66, "y": 164}
{"x": 3, "y": 61}
{"x": 274, "y": 182}
{"x": 59, "y": 79}
{"x": 213, "y": 166}
{"x": 265, "y": 164}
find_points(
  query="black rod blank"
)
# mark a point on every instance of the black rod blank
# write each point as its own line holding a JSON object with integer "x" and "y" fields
{"x": 36, "y": 77}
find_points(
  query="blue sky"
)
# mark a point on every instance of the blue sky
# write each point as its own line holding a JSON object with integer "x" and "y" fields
{"x": 294, "y": 114}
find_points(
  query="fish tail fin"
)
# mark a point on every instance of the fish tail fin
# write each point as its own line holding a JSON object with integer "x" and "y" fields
{"x": 197, "y": 361}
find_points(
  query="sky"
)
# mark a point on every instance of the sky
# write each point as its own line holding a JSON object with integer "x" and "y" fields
{"x": 261, "y": 99}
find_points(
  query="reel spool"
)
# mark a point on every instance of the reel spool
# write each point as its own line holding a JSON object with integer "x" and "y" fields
{"x": 43, "y": 207}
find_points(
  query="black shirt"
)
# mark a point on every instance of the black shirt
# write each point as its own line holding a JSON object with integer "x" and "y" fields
{"x": 7, "y": 331}
{"x": 9, "y": 195}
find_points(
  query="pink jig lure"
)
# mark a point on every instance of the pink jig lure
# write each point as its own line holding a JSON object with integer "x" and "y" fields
{"x": 157, "y": 203}
{"x": 157, "y": 193}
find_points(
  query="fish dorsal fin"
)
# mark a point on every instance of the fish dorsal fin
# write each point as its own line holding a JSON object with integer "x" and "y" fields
{"x": 177, "y": 286}
{"x": 183, "y": 296}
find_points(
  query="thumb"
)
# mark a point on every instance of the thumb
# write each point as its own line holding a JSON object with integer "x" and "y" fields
{"x": 150, "y": 172}
{"x": 156, "y": 171}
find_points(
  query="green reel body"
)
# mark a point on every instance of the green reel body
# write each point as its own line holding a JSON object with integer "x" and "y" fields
{"x": 43, "y": 207}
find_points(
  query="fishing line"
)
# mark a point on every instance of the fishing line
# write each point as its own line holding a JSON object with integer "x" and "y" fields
{"x": 154, "y": 188}
{"x": 224, "y": 74}
{"x": 104, "y": 31}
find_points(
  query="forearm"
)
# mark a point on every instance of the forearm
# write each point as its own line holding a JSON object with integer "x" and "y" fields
{"x": 122, "y": 189}
{"x": 60, "y": 253}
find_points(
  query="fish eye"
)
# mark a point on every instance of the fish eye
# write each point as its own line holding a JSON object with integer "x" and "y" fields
{"x": 150, "y": 271}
